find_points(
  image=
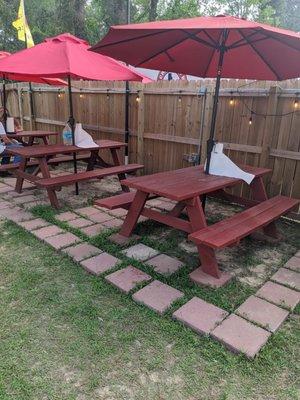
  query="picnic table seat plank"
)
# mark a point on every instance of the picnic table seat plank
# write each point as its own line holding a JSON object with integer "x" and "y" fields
{"x": 122, "y": 200}
{"x": 231, "y": 230}
{"x": 64, "y": 180}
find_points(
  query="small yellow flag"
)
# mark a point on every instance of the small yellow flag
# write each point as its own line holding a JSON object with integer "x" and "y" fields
{"x": 22, "y": 27}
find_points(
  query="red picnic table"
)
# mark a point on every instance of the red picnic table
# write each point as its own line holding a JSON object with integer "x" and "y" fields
{"x": 32, "y": 135}
{"x": 44, "y": 156}
{"x": 186, "y": 187}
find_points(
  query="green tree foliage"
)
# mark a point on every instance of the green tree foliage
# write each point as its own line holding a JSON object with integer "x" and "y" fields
{"x": 90, "y": 19}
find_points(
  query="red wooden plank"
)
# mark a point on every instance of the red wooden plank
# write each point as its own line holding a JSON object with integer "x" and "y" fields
{"x": 113, "y": 202}
{"x": 240, "y": 225}
{"x": 82, "y": 176}
{"x": 37, "y": 134}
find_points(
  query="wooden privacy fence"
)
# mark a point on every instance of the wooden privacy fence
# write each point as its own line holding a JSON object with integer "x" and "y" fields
{"x": 169, "y": 122}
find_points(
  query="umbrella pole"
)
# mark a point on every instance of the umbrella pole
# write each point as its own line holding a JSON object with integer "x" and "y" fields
{"x": 4, "y": 103}
{"x": 72, "y": 123}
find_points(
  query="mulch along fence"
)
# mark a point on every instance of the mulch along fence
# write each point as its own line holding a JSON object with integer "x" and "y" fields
{"x": 169, "y": 122}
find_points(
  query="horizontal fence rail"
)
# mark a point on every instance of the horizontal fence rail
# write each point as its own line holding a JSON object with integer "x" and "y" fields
{"x": 170, "y": 121}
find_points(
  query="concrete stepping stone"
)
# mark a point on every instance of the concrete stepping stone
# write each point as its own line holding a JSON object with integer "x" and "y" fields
{"x": 241, "y": 336}
{"x": 164, "y": 264}
{"x": 4, "y": 204}
{"x": 66, "y": 216}
{"x": 297, "y": 254}
{"x": 100, "y": 217}
{"x": 200, "y": 316}
{"x": 62, "y": 240}
{"x": 158, "y": 296}
{"x": 16, "y": 214}
{"x": 279, "y": 295}
{"x": 93, "y": 230}
{"x": 262, "y": 313}
{"x": 47, "y": 231}
{"x": 201, "y": 278}
{"x": 118, "y": 212}
{"x": 87, "y": 211}
{"x": 127, "y": 278}
{"x": 24, "y": 199}
{"x": 6, "y": 189}
{"x": 34, "y": 224}
{"x": 99, "y": 264}
{"x": 140, "y": 252}
{"x": 122, "y": 240}
{"x": 80, "y": 223}
{"x": 82, "y": 251}
{"x": 293, "y": 263}
{"x": 287, "y": 277}
{"x": 113, "y": 223}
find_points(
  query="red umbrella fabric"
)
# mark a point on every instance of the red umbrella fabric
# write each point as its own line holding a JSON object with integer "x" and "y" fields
{"x": 34, "y": 79}
{"x": 192, "y": 46}
{"x": 62, "y": 56}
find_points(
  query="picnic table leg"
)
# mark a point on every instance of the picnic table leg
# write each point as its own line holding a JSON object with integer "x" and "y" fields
{"x": 177, "y": 210}
{"x": 46, "y": 174}
{"x": 117, "y": 162}
{"x": 260, "y": 194}
{"x": 92, "y": 160}
{"x": 133, "y": 213}
{"x": 45, "y": 140}
{"x": 30, "y": 141}
{"x": 207, "y": 255}
{"x": 20, "y": 179}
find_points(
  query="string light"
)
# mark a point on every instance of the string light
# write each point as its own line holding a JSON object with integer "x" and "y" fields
{"x": 251, "y": 118}
{"x": 138, "y": 99}
{"x": 296, "y": 103}
{"x": 81, "y": 94}
{"x": 179, "y": 97}
{"x": 231, "y": 101}
{"x": 107, "y": 94}
{"x": 59, "y": 95}
{"x": 40, "y": 92}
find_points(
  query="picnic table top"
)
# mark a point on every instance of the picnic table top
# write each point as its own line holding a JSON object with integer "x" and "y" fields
{"x": 31, "y": 134}
{"x": 53, "y": 149}
{"x": 186, "y": 183}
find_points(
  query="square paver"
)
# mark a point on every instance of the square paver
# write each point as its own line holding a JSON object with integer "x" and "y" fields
{"x": 262, "y": 313}
{"x": 82, "y": 251}
{"x": 287, "y": 277}
{"x": 293, "y": 263}
{"x": 201, "y": 278}
{"x": 4, "y": 204}
{"x": 87, "y": 211}
{"x": 93, "y": 230}
{"x": 164, "y": 264}
{"x": 241, "y": 336}
{"x": 158, "y": 296}
{"x": 122, "y": 240}
{"x": 113, "y": 223}
{"x": 24, "y": 199}
{"x": 80, "y": 223}
{"x": 127, "y": 278}
{"x": 62, "y": 240}
{"x": 118, "y": 212}
{"x": 99, "y": 264}
{"x": 100, "y": 217}
{"x": 34, "y": 224}
{"x": 66, "y": 216}
{"x": 297, "y": 254}
{"x": 278, "y": 294}
{"x": 47, "y": 231}
{"x": 140, "y": 252}
{"x": 199, "y": 315}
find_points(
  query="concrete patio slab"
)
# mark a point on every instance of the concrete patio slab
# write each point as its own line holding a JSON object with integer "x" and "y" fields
{"x": 93, "y": 230}
{"x": 158, "y": 296}
{"x": 241, "y": 336}
{"x": 140, "y": 252}
{"x": 200, "y": 316}
{"x": 293, "y": 263}
{"x": 24, "y": 199}
{"x": 47, "y": 231}
{"x": 34, "y": 224}
{"x": 66, "y": 216}
{"x": 100, "y": 217}
{"x": 279, "y": 295}
{"x": 262, "y": 313}
{"x": 80, "y": 223}
{"x": 62, "y": 240}
{"x": 82, "y": 251}
{"x": 99, "y": 264}
{"x": 87, "y": 211}
{"x": 287, "y": 277}
{"x": 127, "y": 278}
{"x": 164, "y": 264}
{"x": 118, "y": 212}
{"x": 113, "y": 223}
{"x": 201, "y": 278}
{"x": 4, "y": 204}
{"x": 122, "y": 240}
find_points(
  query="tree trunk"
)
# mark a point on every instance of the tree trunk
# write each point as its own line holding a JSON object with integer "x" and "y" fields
{"x": 153, "y": 10}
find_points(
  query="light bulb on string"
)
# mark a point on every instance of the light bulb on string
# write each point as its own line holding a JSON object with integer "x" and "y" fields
{"x": 81, "y": 96}
{"x": 59, "y": 95}
{"x": 137, "y": 99}
{"x": 231, "y": 101}
{"x": 107, "y": 94}
{"x": 251, "y": 118}
{"x": 296, "y": 104}
{"x": 179, "y": 97}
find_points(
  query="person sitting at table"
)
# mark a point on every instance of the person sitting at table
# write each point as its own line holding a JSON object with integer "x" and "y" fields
{"x": 6, "y": 143}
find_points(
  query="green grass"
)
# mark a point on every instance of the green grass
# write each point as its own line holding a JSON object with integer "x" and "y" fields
{"x": 68, "y": 335}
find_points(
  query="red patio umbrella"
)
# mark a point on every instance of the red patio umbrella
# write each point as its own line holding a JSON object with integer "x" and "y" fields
{"x": 208, "y": 47}
{"x": 66, "y": 56}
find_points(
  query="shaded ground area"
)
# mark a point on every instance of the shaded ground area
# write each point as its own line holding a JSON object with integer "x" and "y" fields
{"x": 68, "y": 335}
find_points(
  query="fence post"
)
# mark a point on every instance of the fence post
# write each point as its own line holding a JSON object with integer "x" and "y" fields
{"x": 140, "y": 127}
{"x": 269, "y": 125}
{"x": 20, "y": 103}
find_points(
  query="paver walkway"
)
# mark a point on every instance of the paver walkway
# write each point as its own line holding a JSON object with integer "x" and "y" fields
{"x": 246, "y": 330}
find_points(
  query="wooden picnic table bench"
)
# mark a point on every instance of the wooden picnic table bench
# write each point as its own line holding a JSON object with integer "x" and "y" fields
{"x": 186, "y": 187}
{"x": 45, "y": 154}
{"x": 31, "y": 136}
